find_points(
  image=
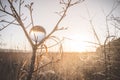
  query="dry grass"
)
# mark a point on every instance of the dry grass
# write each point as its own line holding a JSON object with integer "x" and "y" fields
{"x": 73, "y": 66}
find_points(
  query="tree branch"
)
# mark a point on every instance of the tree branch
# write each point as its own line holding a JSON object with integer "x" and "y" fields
{"x": 6, "y": 12}
{"x": 19, "y": 20}
{"x": 56, "y": 26}
{"x": 95, "y": 32}
{"x": 20, "y": 4}
{"x": 12, "y": 22}
{"x": 30, "y": 9}
{"x": 7, "y": 25}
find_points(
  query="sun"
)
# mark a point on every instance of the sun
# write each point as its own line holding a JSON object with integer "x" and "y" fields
{"x": 78, "y": 46}
{"x": 77, "y": 43}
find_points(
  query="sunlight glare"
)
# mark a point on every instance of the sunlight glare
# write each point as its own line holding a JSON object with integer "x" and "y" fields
{"x": 77, "y": 44}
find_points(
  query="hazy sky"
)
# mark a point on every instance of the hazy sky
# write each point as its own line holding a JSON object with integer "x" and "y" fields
{"x": 77, "y": 21}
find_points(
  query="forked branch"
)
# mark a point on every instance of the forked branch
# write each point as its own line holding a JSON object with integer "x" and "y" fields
{"x": 16, "y": 14}
{"x": 67, "y": 5}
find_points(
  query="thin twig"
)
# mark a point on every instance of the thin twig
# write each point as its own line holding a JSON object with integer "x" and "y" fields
{"x": 7, "y": 25}
{"x": 95, "y": 32}
{"x": 56, "y": 26}
{"x": 93, "y": 29}
{"x": 9, "y": 22}
{"x": 20, "y": 22}
{"x": 6, "y": 12}
{"x": 28, "y": 25}
{"x": 47, "y": 64}
{"x": 20, "y": 4}
{"x": 92, "y": 43}
{"x": 29, "y": 6}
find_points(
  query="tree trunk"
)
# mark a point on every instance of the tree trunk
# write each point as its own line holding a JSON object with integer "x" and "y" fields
{"x": 31, "y": 69}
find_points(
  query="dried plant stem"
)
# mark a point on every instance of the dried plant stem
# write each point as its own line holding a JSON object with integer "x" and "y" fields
{"x": 95, "y": 33}
{"x": 31, "y": 70}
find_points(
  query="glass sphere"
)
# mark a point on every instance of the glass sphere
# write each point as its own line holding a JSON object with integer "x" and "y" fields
{"x": 37, "y": 33}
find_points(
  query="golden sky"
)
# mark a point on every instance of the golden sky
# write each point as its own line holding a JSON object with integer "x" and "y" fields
{"x": 79, "y": 31}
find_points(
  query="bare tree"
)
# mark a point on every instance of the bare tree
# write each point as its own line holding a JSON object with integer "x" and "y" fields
{"x": 16, "y": 14}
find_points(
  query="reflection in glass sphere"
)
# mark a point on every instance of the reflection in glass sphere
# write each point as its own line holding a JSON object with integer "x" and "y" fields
{"x": 37, "y": 33}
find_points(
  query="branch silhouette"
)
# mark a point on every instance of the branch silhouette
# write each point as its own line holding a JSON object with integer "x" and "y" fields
{"x": 17, "y": 15}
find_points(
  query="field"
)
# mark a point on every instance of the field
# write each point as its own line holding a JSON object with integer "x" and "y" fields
{"x": 72, "y": 66}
